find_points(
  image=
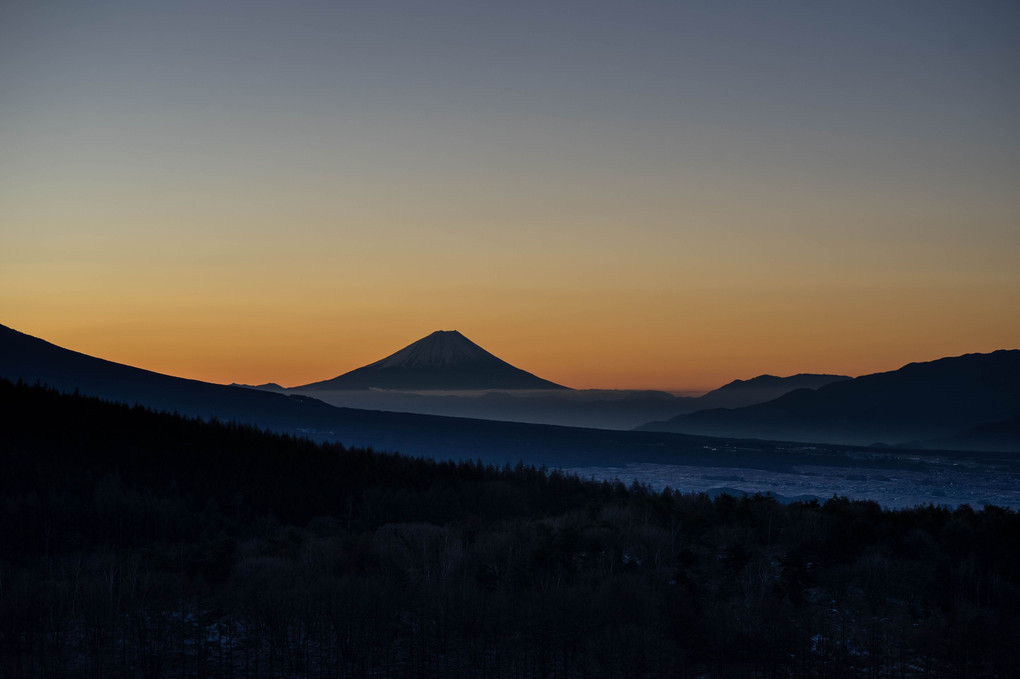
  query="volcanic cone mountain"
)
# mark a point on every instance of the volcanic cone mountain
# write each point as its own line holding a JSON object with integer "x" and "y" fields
{"x": 445, "y": 360}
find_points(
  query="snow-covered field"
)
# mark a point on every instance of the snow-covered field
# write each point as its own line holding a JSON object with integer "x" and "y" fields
{"x": 940, "y": 481}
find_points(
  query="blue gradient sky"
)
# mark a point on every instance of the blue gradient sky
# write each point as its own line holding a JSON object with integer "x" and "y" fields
{"x": 640, "y": 194}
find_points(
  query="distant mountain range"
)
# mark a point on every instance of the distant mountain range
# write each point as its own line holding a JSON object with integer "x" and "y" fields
{"x": 970, "y": 402}
{"x": 444, "y": 361}
{"x": 445, "y": 373}
{"x": 935, "y": 401}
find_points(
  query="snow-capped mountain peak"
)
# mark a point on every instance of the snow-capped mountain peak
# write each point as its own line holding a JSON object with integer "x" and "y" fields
{"x": 444, "y": 360}
{"x": 441, "y": 348}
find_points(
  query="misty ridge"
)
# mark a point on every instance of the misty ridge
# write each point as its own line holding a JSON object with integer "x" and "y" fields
{"x": 597, "y": 408}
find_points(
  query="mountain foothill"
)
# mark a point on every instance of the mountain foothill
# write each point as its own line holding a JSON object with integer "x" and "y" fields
{"x": 969, "y": 402}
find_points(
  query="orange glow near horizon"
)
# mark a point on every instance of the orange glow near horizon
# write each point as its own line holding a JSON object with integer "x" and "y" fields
{"x": 666, "y": 196}
{"x": 686, "y": 309}
{"x": 584, "y": 306}
{"x": 626, "y": 346}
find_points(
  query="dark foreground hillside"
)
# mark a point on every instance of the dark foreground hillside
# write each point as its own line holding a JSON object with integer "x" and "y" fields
{"x": 135, "y": 544}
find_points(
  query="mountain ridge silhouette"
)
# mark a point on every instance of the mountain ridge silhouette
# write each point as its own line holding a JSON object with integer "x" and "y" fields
{"x": 918, "y": 402}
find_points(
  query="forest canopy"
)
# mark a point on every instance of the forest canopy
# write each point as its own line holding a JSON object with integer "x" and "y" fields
{"x": 144, "y": 544}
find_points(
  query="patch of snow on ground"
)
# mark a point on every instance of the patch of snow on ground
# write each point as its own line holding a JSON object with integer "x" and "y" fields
{"x": 894, "y": 489}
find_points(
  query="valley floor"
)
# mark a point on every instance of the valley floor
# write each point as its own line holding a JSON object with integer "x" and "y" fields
{"x": 934, "y": 481}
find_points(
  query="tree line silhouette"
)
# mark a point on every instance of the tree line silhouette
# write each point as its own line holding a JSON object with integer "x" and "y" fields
{"x": 143, "y": 544}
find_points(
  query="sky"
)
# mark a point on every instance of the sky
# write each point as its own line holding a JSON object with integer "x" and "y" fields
{"x": 664, "y": 195}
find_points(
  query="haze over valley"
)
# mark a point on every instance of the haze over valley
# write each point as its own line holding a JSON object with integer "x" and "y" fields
{"x": 447, "y": 374}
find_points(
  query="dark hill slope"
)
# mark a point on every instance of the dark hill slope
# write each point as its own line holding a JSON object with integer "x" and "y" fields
{"x": 27, "y": 358}
{"x": 917, "y": 402}
{"x": 199, "y": 462}
{"x": 444, "y": 360}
